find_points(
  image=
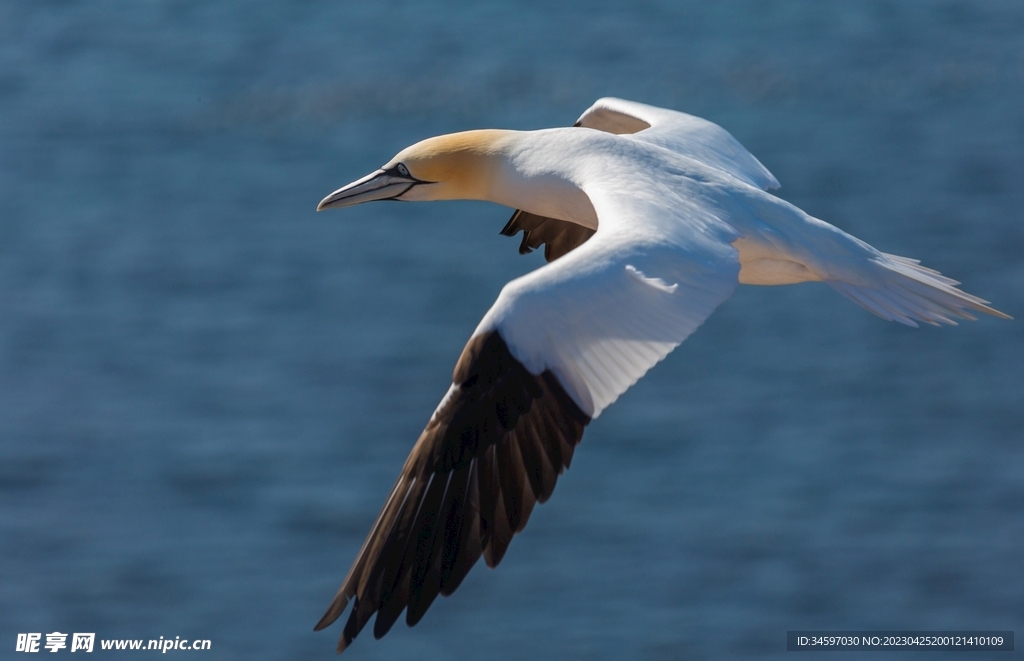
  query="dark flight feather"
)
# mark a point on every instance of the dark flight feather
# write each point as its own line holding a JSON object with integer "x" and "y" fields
{"x": 490, "y": 452}
{"x": 557, "y": 236}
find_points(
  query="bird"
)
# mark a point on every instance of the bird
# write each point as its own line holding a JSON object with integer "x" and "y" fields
{"x": 649, "y": 218}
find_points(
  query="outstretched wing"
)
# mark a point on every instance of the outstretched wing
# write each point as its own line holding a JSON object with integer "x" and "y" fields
{"x": 492, "y": 449}
{"x": 557, "y": 347}
{"x": 599, "y": 317}
{"x": 684, "y": 134}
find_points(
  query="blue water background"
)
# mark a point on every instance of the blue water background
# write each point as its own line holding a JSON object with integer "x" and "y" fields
{"x": 206, "y": 389}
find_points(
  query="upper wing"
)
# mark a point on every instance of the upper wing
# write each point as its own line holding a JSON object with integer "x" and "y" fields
{"x": 684, "y": 134}
{"x": 558, "y": 346}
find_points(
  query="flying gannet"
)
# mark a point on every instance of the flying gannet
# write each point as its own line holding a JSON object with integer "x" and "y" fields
{"x": 649, "y": 218}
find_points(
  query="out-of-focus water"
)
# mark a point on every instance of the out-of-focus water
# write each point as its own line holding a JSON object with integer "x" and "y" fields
{"x": 206, "y": 389}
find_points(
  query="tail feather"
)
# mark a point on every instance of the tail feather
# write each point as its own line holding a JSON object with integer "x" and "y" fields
{"x": 900, "y": 289}
{"x": 872, "y": 301}
{"x": 915, "y": 265}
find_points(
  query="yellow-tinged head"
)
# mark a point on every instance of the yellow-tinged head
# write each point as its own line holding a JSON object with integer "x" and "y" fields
{"x": 458, "y": 166}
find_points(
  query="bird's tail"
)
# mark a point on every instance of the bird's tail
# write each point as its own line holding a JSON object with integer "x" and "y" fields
{"x": 900, "y": 289}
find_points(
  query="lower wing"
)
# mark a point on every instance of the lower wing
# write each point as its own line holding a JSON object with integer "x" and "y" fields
{"x": 558, "y": 346}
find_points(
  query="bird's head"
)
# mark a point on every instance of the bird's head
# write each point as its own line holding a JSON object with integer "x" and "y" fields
{"x": 458, "y": 166}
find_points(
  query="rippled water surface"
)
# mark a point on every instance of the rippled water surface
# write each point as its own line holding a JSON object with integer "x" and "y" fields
{"x": 206, "y": 389}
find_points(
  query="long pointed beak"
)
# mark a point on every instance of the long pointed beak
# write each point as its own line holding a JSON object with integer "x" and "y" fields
{"x": 379, "y": 185}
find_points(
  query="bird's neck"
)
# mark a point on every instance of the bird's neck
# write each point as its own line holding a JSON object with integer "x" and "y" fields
{"x": 528, "y": 170}
{"x": 533, "y": 173}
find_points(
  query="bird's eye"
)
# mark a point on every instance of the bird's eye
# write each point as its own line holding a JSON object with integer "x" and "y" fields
{"x": 402, "y": 170}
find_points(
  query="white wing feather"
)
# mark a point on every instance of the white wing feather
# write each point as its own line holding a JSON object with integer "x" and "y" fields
{"x": 607, "y": 312}
{"x": 681, "y": 133}
{"x": 663, "y": 257}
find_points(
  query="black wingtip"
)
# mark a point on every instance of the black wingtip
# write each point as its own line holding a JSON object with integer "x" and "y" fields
{"x": 333, "y": 611}
{"x": 509, "y": 229}
{"x": 456, "y": 501}
{"x": 524, "y": 247}
{"x": 387, "y": 616}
